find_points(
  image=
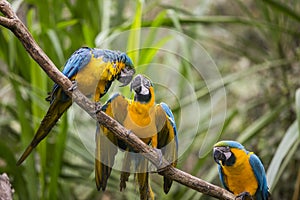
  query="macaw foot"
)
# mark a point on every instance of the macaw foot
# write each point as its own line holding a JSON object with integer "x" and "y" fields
{"x": 160, "y": 157}
{"x": 74, "y": 86}
{"x": 244, "y": 196}
{"x": 129, "y": 132}
{"x": 125, "y": 169}
{"x": 98, "y": 107}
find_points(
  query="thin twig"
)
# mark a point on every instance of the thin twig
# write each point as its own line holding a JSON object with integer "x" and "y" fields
{"x": 4, "y": 21}
{"x": 13, "y": 23}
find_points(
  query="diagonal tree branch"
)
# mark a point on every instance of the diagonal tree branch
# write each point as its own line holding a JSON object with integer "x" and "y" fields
{"x": 12, "y": 22}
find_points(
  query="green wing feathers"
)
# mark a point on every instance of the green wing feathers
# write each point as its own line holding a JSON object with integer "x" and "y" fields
{"x": 104, "y": 156}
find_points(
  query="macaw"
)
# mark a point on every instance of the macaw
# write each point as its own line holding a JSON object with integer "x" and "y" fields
{"x": 153, "y": 123}
{"x": 241, "y": 172}
{"x": 92, "y": 71}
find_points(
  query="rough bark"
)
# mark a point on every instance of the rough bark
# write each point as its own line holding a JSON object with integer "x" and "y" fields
{"x": 6, "y": 191}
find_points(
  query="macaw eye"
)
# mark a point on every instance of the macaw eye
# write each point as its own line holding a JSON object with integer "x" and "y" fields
{"x": 147, "y": 83}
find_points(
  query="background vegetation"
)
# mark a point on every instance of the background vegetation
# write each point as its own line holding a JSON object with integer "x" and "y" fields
{"x": 254, "y": 43}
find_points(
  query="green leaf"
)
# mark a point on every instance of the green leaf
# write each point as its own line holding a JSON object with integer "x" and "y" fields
{"x": 283, "y": 8}
{"x": 56, "y": 44}
{"x": 67, "y": 23}
{"x": 58, "y": 152}
{"x": 290, "y": 138}
{"x": 135, "y": 33}
{"x": 261, "y": 123}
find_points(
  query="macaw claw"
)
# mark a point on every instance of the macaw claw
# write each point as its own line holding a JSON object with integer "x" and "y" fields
{"x": 244, "y": 196}
{"x": 74, "y": 86}
{"x": 129, "y": 132}
{"x": 98, "y": 107}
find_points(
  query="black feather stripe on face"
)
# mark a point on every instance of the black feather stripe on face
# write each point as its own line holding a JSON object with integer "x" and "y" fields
{"x": 142, "y": 98}
{"x": 230, "y": 161}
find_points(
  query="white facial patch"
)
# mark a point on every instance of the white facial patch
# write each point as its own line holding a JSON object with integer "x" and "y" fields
{"x": 227, "y": 155}
{"x": 144, "y": 90}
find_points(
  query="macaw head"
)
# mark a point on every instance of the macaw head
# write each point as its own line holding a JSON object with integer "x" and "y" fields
{"x": 127, "y": 71}
{"x": 222, "y": 152}
{"x": 143, "y": 88}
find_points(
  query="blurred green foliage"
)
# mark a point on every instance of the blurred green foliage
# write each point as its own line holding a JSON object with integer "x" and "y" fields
{"x": 254, "y": 43}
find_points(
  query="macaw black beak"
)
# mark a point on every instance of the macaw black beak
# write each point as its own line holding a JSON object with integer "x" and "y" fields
{"x": 219, "y": 155}
{"x": 136, "y": 84}
{"x": 126, "y": 76}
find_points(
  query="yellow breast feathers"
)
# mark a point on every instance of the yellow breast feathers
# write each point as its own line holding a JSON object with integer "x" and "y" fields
{"x": 141, "y": 119}
{"x": 240, "y": 177}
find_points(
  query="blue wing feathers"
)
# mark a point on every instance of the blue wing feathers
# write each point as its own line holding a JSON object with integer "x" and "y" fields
{"x": 171, "y": 120}
{"x": 259, "y": 172}
{"x": 98, "y": 52}
{"x": 77, "y": 61}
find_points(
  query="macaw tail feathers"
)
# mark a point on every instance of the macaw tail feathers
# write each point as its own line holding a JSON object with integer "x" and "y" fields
{"x": 102, "y": 174}
{"x": 55, "y": 111}
{"x": 144, "y": 187}
{"x": 142, "y": 176}
{"x": 167, "y": 184}
{"x": 269, "y": 196}
{"x": 104, "y": 157}
{"x": 125, "y": 170}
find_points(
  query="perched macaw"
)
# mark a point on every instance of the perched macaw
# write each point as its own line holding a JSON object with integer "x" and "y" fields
{"x": 92, "y": 71}
{"x": 153, "y": 123}
{"x": 241, "y": 172}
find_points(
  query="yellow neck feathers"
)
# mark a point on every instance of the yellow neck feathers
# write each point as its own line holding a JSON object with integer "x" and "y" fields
{"x": 240, "y": 176}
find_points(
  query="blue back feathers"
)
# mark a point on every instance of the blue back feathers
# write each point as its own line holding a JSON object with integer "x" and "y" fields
{"x": 82, "y": 57}
{"x": 112, "y": 56}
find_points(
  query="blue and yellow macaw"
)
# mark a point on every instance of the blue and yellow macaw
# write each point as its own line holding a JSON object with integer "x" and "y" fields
{"x": 241, "y": 172}
{"x": 92, "y": 70}
{"x": 153, "y": 123}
